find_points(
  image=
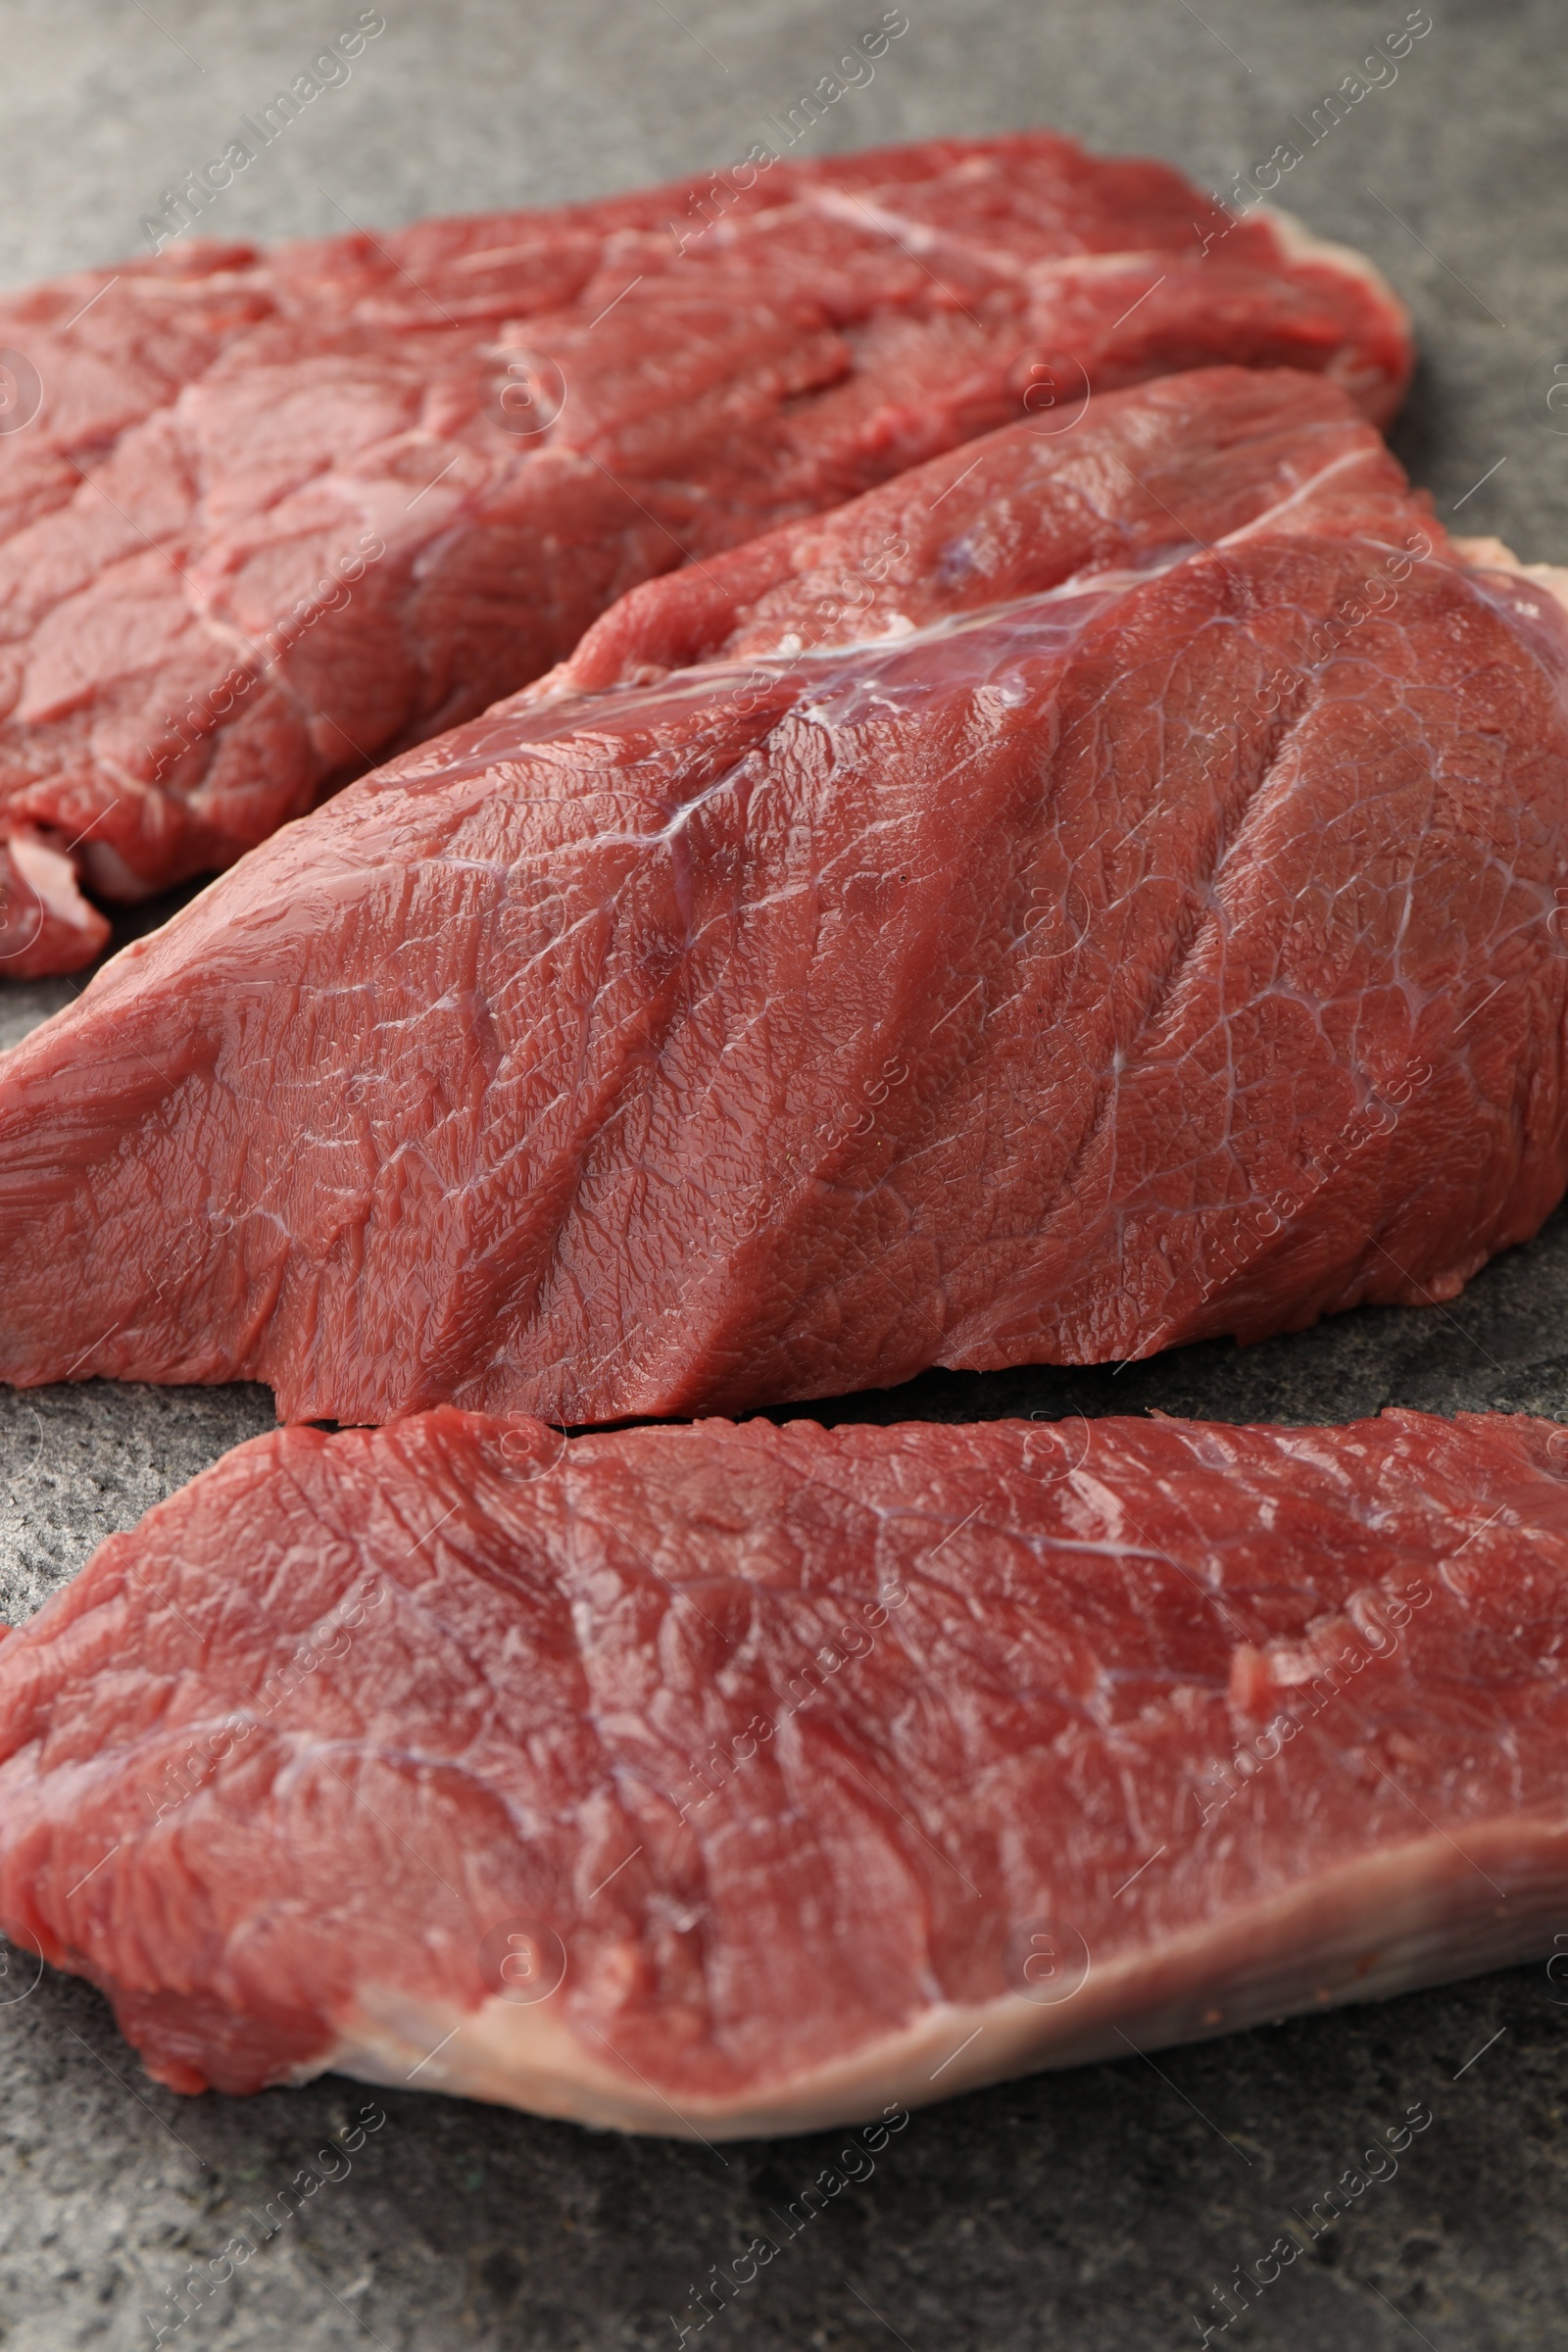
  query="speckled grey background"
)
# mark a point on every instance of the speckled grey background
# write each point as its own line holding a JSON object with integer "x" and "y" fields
{"x": 1093, "y": 2212}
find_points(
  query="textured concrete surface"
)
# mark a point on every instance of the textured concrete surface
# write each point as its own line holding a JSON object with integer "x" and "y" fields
{"x": 1096, "y": 2210}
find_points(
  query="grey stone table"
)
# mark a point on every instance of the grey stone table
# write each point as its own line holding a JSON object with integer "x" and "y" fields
{"x": 1096, "y": 2210}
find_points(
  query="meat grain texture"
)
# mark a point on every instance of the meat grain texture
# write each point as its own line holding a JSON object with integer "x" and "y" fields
{"x": 742, "y": 1778}
{"x": 264, "y": 517}
{"x": 1099, "y": 891}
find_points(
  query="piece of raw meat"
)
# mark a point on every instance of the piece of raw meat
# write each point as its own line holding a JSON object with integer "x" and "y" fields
{"x": 1141, "y": 925}
{"x": 264, "y": 517}
{"x": 732, "y": 1780}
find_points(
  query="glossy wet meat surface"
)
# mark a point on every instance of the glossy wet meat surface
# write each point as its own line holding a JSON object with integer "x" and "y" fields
{"x": 1135, "y": 920}
{"x": 273, "y": 515}
{"x": 729, "y": 1778}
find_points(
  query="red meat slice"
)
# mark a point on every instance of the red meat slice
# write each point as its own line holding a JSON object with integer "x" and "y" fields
{"x": 266, "y": 518}
{"x": 1131, "y": 937}
{"x": 46, "y": 923}
{"x": 730, "y": 1780}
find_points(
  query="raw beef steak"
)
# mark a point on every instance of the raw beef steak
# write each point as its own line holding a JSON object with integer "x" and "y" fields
{"x": 732, "y": 1780}
{"x": 1142, "y": 926}
{"x": 264, "y": 517}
